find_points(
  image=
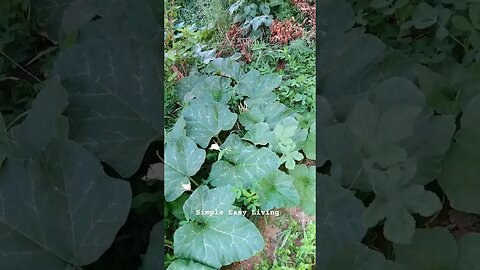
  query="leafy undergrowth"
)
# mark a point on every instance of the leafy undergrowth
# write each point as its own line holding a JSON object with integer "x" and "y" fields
{"x": 399, "y": 135}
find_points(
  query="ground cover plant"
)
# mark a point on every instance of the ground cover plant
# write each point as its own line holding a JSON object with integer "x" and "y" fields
{"x": 95, "y": 174}
{"x": 398, "y": 135}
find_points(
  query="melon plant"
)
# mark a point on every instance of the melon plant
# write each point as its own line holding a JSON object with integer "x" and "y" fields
{"x": 257, "y": 143}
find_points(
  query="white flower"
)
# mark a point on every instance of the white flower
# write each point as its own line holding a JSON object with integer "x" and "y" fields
{"x": 187, "y": 187}
{"x": 215, "y": 147}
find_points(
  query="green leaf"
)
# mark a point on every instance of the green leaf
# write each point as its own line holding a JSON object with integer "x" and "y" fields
{"x": 205, "y": 120}
{"x": 183, "y": 159}
{"x": 395, "y": 199}
{"x": 181, "y": 264}
{"x": 227, "y": 67}
{"x": 304, "y": 182}
{"x": 243, "y": 164}
{"x": 176, "y": 207}
{"x": 257, "y": 86}
{"x": 474, "y": 13}
{"x": 211, "y": 89}
{"x": 276, "y": 190}
{"x": 358, "y": 256}
{"x": 460, "y": 177}
{"x": 424, "y": 16}
{"x": 378, "y": 63}
{"x": 392, "y": 115}
{"x": 201, "y": 238}
{"x": 52, "y": 187}
{"x": 437, "y": 91}
{"x": 42, "y": 122}
{"x": 339, "y": 217}
{"x": 288, "y": 132}
{"x": 114, "y": 89}
{"x": 63, "y": 193}
{"x": 260, "y": 134}
{"x": 430, "y": 249}
{"x": 152, "y": 259}
{"x": 461, "y": 23}
{"x": 269, "y": 112}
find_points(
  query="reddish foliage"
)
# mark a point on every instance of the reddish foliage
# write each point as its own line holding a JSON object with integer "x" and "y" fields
{"x": 284, "y": 32}
{"x": 235, "y": 41}
{"x": 307, "y": 7}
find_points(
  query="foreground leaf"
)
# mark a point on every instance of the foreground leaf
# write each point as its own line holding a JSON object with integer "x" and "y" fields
{"x": 304, "y": 182}
{"x": 276, "y": 190}
{"x": 60, "y": 209}
{"x": 201, "y": 238}
{"x": 257, "y": 86}
{"x": 206, "y": 119}
{"x": 114, "y": 88}
{"x": 243, "y": 164}
{"x": 183, "y": 159}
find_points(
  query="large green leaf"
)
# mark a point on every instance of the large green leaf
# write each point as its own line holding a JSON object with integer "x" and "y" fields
{"x": 206, "y": 119}
{"x": 211, "y": 89}
{"x": 112, "y": 77}
{"x": 260, "y": 111}
{"x": 43, "y": 119}
{"x": 257, "y": 86}
{"x": 182, "y": 264}
{"x": 395, "y": 199}
{"x": 345, "y": 81}
{"x": 183, "y": 159}
{"x": 460, "y": 178}
{"x": 391, "y": 122}
{"x": 219, "y": 238}
{"x": 276, "y": 190}
{"x": 58, "y": 208}
{"x": 243, "y": 164}
{"x": 304, "y": 182}
{"x": 340, "y": 219}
